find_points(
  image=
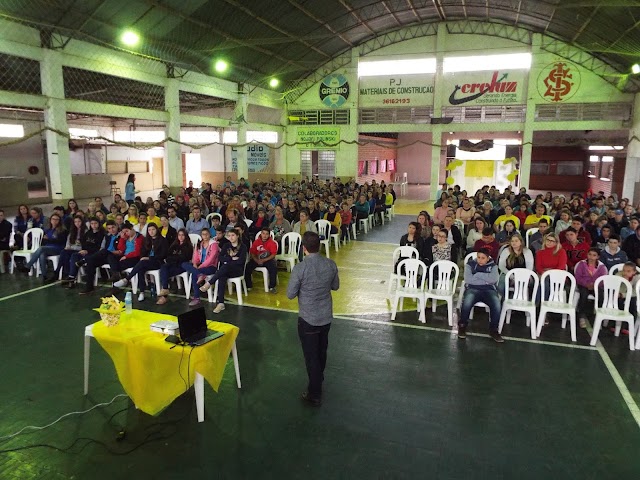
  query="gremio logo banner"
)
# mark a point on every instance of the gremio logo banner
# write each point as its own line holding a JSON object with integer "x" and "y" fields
{"x": 498, "y": 87}
{"x": 334, "y": 90}
{"x": 399, "y": 90}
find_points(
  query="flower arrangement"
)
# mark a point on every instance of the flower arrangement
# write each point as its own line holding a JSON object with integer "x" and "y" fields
{"x": 110, "y": 310}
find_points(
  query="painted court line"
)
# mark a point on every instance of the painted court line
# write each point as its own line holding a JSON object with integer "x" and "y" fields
{"x": 617, "y": 379}
{"x": 8, "y": 297}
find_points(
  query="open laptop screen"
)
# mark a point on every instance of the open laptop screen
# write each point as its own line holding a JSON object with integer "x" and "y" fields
{"x": 192, "y": 323}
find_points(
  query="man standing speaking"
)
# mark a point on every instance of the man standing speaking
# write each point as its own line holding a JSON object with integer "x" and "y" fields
{"x": 312, "y": 281}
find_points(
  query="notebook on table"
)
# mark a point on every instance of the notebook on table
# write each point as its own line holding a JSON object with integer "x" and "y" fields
{"x": 193, "y": 328}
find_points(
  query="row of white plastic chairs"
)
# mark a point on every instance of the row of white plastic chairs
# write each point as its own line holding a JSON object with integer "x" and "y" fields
{"x": 557, "y": 289}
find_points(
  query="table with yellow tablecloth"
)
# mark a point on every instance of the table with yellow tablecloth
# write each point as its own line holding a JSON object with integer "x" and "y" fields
{"x": 153, "y": 373}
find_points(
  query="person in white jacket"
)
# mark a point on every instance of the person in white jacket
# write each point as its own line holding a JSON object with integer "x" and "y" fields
{"x": 515, "y": 255}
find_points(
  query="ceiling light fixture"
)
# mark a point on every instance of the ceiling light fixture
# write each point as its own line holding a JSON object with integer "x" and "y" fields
{"x": 274, "y": 82}
{"x": 130, "y": 38}
{"x": 635, "y": 68}
{"x": 221, "y": 66}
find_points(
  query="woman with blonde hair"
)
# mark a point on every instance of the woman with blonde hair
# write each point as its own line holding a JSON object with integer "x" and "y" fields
{"x": 514, "y": 255}
{"x": 132, "y": 215}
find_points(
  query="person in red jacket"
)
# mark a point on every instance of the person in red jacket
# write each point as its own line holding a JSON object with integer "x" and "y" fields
{"x": 552, "y": 256}
{"x": 584, "y": 235}
{"x": 575, "y": 248}
{"x": 130, "y": 244}
{"x": 263, "y": 254}
{"x": 487, "y": 241}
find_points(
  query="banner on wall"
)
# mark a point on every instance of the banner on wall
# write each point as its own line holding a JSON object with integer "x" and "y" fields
{"x": 361, "y": 166}
{"x": 334, "y": 90}
{"x": 382, "y": 167}
{"x": 389, "y": 91}
{"x": 373, "y": 167}
{"x": 257, "y": 158}
{"x": 498, "y": 87}
{"x": 318, "y": 138}
{"x": 391, "y": 165}
{"x": 559, "y": 81}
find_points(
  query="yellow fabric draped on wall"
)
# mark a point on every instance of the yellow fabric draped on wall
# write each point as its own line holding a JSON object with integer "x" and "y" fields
{"x": 479, "y": 168}
{"x": 151, "y": 372}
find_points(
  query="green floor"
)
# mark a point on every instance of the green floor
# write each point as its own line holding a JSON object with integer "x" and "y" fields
{"x": 400, "y": 402}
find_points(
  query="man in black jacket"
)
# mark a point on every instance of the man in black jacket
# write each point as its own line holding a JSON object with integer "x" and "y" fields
{"x": 108, "y": 253}
{"x": 631, "y": 246}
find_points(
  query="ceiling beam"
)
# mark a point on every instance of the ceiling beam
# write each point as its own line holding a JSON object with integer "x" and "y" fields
{"x": 584, "y": 25}
{"x": 415, "y": 12}
{"x": 266, "y": 22}
{"x": 225, "y": 35}
{"x": 550, "y": 19}
{"x": 355, "y": 14}
{"x": 439, "y": 9}
{"x": 518, "y": 14}
{"x": 321, "y": 22}
{"x": 386, "y": 7}
{"x": 623, "y": 34}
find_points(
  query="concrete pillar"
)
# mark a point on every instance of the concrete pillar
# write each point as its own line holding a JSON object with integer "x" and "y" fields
{"x": 527, "y": 133}
{"x": 438, "y": 95}
{"x": 632, "y": 168}
{"x": 55, "y": 117}
{"x": 173, "y": 152}
{"x": 240, "y": 114}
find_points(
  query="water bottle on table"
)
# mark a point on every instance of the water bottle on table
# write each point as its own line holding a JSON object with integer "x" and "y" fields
{"x": 128, "y": 303}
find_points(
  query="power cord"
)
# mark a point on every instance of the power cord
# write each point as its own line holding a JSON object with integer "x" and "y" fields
{"x": 34, "y": 428}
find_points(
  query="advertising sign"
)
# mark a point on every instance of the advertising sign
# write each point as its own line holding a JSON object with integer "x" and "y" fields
{"x": 334, "y": 90}
{"x": 498, "y": 87}
{"x": 401, "y": 90}
{"x": 318, "y": 137}
{"x": 559, "y": 81}
{"x": 257, "y": 158}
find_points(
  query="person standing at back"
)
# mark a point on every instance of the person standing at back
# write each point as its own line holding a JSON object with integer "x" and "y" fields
{"x": 312, "y": 282}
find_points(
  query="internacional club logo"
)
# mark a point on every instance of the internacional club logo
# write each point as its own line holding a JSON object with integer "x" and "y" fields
{"x": 334, "y": 90}
{"x": 559, "y": 81}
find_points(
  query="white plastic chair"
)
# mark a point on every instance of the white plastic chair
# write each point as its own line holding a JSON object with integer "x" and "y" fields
{"x": 335, "y": 237}
{"x": 290, "y": 245}
{"x": 396, "y": 276}
{"x": 33, "y": 235}
{"x": 155, "y": 276}
{"x": 473, "y": 255}
{"x": 530, "y": 232}
{"x": 248, "y": 222}
{"x": 444, "y": 288}
{"x": 195, "y": 238}
{"x": 211, "y": 215}
{"x": 265, "y": 277}
{"x": 270, "y": 233}
{"x": 517, "y": 298}
{"x": 616, "y": 268}
{"x": 413, "y": 288}
{"x": 608, "y": 287}
{"x": 324, "y": 229}
{"x": 364, "y": 224}
{"x": 237, "y": 282}
{"x": 637, "y": 333}
{"x": 557, "y": 301}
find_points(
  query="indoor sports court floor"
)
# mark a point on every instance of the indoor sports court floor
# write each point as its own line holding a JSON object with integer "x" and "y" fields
{"x": 402, "y": 399}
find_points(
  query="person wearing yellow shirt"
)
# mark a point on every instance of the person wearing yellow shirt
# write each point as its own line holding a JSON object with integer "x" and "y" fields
{"x": 132, "y": 215}
{"x": 508, "y": 215}
{"x": 334, "y": 217}
{"x": 532, "y": 220}
{"x": 152, "y": 218}
{"x": 167, "y": 231}
{"x": 388, "y": 199}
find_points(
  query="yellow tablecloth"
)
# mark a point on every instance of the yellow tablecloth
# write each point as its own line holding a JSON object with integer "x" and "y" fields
{"x": 148, "y": 368}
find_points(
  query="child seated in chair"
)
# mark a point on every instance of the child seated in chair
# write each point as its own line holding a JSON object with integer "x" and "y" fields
{"x": 481, "y": 279}
{"x": 629, "y": 273}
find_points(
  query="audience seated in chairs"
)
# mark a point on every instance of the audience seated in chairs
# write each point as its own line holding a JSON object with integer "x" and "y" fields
{"x": 179, "y": 253}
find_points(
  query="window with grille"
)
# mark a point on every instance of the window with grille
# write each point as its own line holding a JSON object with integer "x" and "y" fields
{"x": 305, "y": 163}
{"x": 326, "y": 164}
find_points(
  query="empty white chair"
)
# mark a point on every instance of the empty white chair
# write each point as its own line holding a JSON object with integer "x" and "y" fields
{"x": 517, "y": 298}
{"x": 415, "y": 274}
{"x": 607, "y": 288}
{"x": 364, "y": 224}
{"x": 396, "y": 276}
{"x": 290, "y": 246}
{"x": 324, "y": 230}
{"x": 195, "y": 238}
{"x": 559, "y": 298}
{"x": 33, "y": 235}
{"x": 530, "y": 232}
{"x": 444, "y": 287}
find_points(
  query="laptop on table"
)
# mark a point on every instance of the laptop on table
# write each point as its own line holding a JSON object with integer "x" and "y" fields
{"x": 193, "y": 328}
